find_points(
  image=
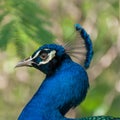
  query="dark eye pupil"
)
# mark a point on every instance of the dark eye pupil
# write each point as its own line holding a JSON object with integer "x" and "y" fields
{"x": 43, "y": 55}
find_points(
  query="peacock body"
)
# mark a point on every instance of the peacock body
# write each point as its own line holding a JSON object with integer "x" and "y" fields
{"x": 66, "y": 82}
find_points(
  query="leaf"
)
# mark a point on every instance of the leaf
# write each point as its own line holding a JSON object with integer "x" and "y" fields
{"x": 5, "y": 35}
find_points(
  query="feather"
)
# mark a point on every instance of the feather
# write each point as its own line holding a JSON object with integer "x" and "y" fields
{"x": 80, "y": 47}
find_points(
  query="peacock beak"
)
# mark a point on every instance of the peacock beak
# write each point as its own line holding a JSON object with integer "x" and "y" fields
{"x": 26, "y": 62}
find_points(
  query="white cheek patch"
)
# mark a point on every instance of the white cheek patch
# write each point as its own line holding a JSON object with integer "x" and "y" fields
{"x": 51, "y": 55}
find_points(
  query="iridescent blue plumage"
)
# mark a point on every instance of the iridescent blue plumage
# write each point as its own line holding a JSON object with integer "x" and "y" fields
{"x": 61, "y": 90}
{"x": 65, "y": 85}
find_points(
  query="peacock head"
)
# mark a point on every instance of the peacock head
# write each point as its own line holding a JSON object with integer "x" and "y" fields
{"x": 50, "y": 56}
{"x": 47, "y": 58}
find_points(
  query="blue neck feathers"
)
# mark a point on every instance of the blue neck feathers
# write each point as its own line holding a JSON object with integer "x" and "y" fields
{"x": 64, "y": 89}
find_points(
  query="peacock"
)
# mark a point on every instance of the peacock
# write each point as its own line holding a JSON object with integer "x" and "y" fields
{"x": 66, "y": 83}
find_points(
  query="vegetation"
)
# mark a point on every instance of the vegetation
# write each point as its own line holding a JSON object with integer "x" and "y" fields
{"x": 28, "y": 24}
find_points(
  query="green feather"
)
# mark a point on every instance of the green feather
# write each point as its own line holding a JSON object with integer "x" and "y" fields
{"x": 99, "y": 118}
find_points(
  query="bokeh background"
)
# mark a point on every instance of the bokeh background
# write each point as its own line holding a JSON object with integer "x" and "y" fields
{"x": 27, "y": 24}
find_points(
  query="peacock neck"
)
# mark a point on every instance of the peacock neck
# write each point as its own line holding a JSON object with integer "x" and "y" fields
{"x": 40, "y": 108}
{"x": 55, "y": 95}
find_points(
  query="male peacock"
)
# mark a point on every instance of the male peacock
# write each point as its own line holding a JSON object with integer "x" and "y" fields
{"x": 66, "y": 82}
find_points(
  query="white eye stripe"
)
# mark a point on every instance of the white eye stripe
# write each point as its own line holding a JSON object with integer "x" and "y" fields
{"x": 51, "y": 55}
{"x": 35, "y": 55}
{"x": 46, "y": 49}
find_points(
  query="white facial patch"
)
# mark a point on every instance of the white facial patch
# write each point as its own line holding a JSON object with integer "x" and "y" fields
{"x": 51, "y": 55}
{"x": 31, "y": 58}
{"x": 36, "y": 54}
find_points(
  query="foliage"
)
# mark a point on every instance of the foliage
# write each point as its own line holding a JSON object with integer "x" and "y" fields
{"x": 21, "y": 23}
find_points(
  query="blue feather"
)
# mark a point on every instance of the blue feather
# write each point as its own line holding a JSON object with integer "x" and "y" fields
{"x": 58, "y": 92}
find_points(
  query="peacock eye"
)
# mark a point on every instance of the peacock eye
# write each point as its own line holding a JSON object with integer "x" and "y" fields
{"x": 44, "y": 56}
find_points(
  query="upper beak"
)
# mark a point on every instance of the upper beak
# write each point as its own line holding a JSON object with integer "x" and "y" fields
{"x": 26, "y": 62}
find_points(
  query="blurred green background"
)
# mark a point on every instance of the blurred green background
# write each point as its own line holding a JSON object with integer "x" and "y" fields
{"x": 27, "y": 24}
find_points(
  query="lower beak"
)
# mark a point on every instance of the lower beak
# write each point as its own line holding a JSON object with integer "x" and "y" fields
{"x": 27, "y": 62}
